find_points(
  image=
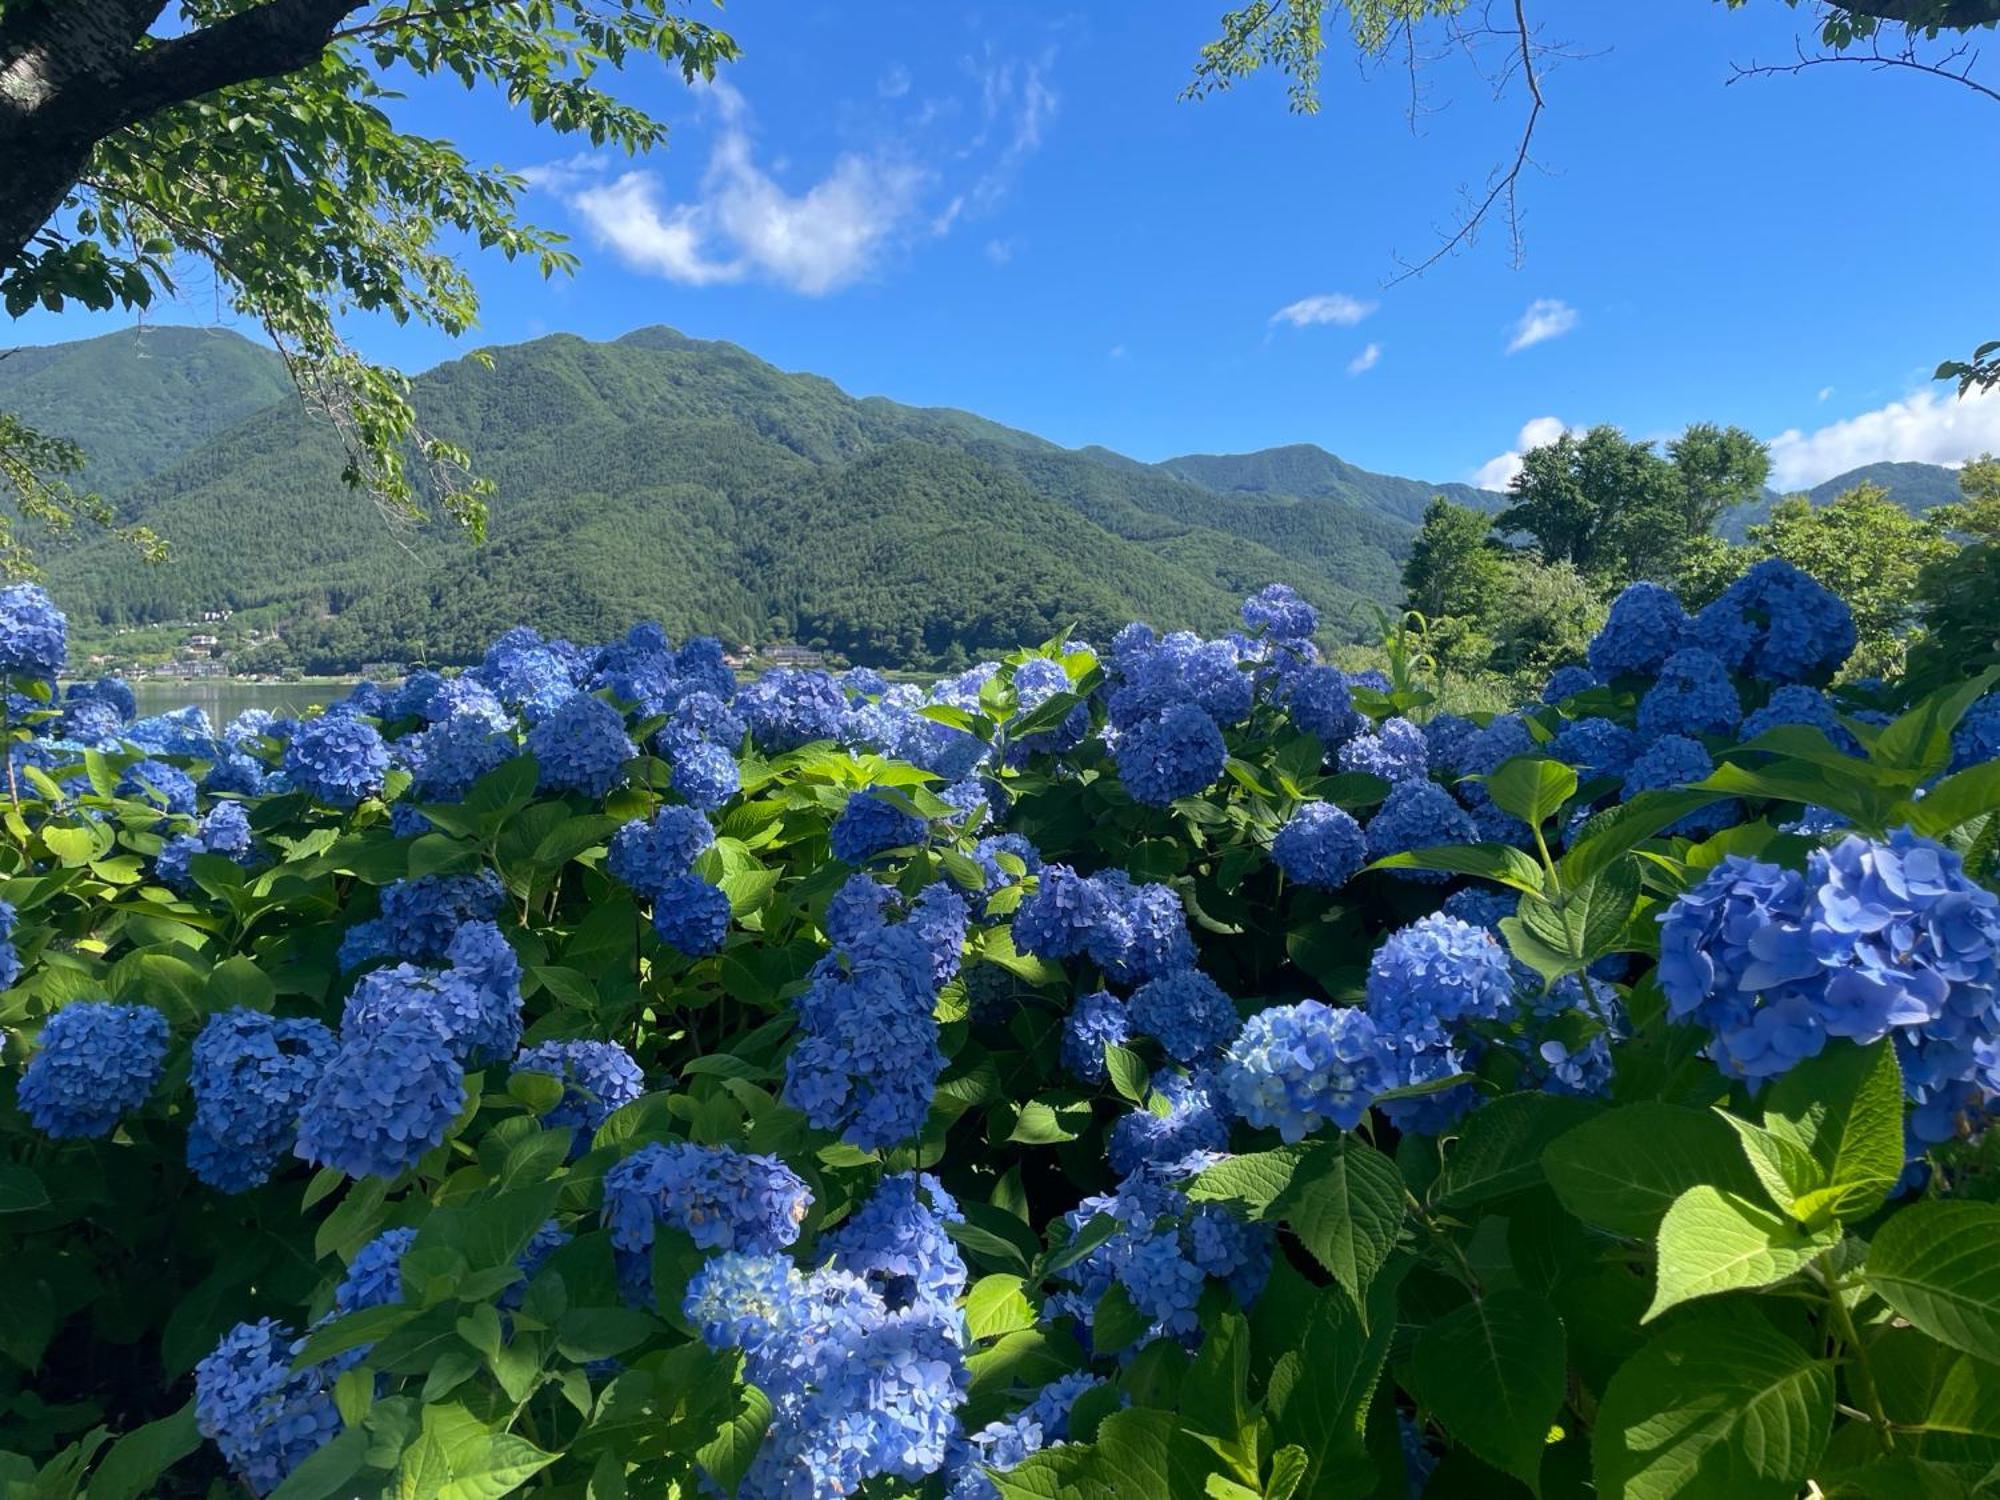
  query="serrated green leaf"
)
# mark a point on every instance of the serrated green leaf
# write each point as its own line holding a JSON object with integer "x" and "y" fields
{"x": 1711, "y": 1241}
{"x": 1492, "y": 1373}
{"x": 1623, "y": 1170}
{"x": 1938, "y": 1264}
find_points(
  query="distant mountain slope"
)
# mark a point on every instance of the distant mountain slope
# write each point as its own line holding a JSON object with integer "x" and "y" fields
{"x": 136, "y": 401}
{"x": 1916, "y": 487}
{"x": 1311, "y": 473}
{"x": 669, "y": 477}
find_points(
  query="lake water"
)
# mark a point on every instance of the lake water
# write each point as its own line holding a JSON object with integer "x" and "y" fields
{"x": 223, "y": 699}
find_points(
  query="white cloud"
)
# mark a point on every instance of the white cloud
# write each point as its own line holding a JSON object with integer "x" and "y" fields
{"x": 1538, "y": 432}
{"x": 999, "y": 251}
{"x": 742, "y": 224}
{"x": 1931, "y": 426}
{"x": 1324, "y": 307}
{"x": 1365, "y": 360}
{"x": 1825, "y": 391}
{"x": 1117, "y": 351}
{"x": 1546, "y": 318}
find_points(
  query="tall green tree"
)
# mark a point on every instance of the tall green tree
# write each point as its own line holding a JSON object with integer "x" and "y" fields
{"x": 252, "y": 137}
{"x": 1605, "y": 504}
{"x": 1453, "y": 568}
{"x": 1719, "y": 469}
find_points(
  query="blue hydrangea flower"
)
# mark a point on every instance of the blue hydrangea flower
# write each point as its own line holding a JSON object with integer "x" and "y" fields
{"x": 1674, "y": 760}
{"x": 115, "y": 692}
{"x": 375, "y": 1276}
{"x": 528, "y": 674}
{"x": 184, "y": 731}
{"x": 581, "y": 746}
{"x": 1320, "y": 846}
{"x": 1059, "y": 917}
{"x": 1429, "y": 978}
{"x": 1798, "y": 704}
{"x": 1163, "y": 1283}
{"x": 338, "y": 759}
{"x": 1396, "y": 751}
{"x": 1187, "y": 1012}
{"x": 1737, "y": 960}
{"x": 1172, "y": 756}
{"x": 10, "y": 959}
{"x": 1567, "y": 682}
{"x": 1428, "y": 1113}
{"x": 387, "y": 1096}
{"x": 1321, "y": 703}
{"x": 34, "y": 635}
{"x": 785, "y": 709}
{"x": 870, "y": 825}
{"x": 1036, "y": 681}
{"x": 1144, "y": 932}
{"x": 454, "y": 753}
{"x": 701, "y": 718}
{"x": 741, "y": 1300}
{"x": 867, "y": 1059}
{"x": 250, "y": 1077}
{"x": 707, "y": 776}
{"x": 1183, "y": 1117}
{"x": 722, "y": 1198}
{"x": 1693, "y": 696}
{"x": 598, "y": 1079}
{"x": 1293, "y": 1068}
{"x": 1447, "y": 738}
{"x": 1418, "y": 815}
{"x": 1595, "y": 747}
{"x": 1097, "y": 1020}
{"x": 691, "y": 915}
{"x": 896, "y": 1242}
{"x": 94, "y": 1063}
{"x": 166, "y": 787}
{"x": 264, "y": 1419}
{"x": 1180, "y": 671}
{"x": 1278, "y": 611}
{"x": 1646, "y": 625}
{"x": 420, "y": 916}
{"x": 1777, "y": 624}
{"x": 92, "y": 721}
{"x": 648, "y": 852}
{"x": 1976, "y": 740}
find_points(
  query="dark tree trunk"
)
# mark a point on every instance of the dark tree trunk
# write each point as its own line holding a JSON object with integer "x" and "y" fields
{"x": 75, "y": 71}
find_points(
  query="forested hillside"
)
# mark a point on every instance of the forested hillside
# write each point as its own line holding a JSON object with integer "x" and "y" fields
{"x": 660, "y": 476}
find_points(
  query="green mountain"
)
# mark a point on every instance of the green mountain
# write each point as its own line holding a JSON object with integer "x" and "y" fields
{"x": 136, "y": 401}
{"x": 1312, "y": 473}
{"x": 664, "y": 477}
{"x": 1916, "y": 487}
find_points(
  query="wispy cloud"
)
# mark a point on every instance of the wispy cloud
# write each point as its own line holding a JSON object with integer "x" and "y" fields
{"x": 1538, "y": 432}
{"x": 1365, "y": 361}
{"x": 1931, "y": 426}
{"x": 1324, "y": 307}
{"x": 743, "y": 224}
{"x": 999, "y": 251}
{"x": 1546, "y": 318}
{"x": 1825, "y": 392}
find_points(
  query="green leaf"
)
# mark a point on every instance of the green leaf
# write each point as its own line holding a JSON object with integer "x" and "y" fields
{"x": 1500, "y": 1146}
{"x": 135, "y": 1463}
{"x": 1532, "y": 788}
{"x": 21, "y": 1191}
{"x": 1127, "y": 1071}
{"x": 1251, "y": 1182}
{"x": 997, "y": 1305}
{"x": 727, "y": 1456}
{"x": 1623, "y": 1170}
{"x": 1288, "y": 1470}
{"x": 1938, "y": 1264}
{"x": 1712, "y": 1241}
{"x": 1498, "y": 862}
{"x": 1784, "y": 1169}
{"x": 1346, "y": 1204}
{"x": 1317, "y": 1394}
{"x": 1845, "y": 1108}
{"x": 238, "y": 982}
{"x": 1492, "y": 1373}
{"x": 1718, "y": 1406}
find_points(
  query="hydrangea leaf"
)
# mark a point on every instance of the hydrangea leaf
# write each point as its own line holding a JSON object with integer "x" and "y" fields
{"x": 1938, "y": 1264}
{"x": 1492, "y": 1373}
{"x": 1531, "y": 787}
{"x": 1623, "y": 1170}
{"x": 1845, "y": 1108}
{"x": 1711, "y": 1241}
{"x": 1499, "y": 1150}
{"x": 1346, "y": 1203}
{"x": 1719, "y": 1406}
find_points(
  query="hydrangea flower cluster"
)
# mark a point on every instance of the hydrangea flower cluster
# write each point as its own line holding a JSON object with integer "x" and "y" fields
{"x": 1133, "y": 932}
{"x": 95, "y": 1063}
{"x": 1777, "y": 624}
{"x": 785, "y": 709}
{"x": 168, "y": 788}
{"x": 1183, "y": 1116}
{"x": 1418, "y": 815}
{"x": 34, "y": 634}
{"x": 420, "y": 916}
{"x": 265, "y": 1420}
{"x": 339, "y": 759}
{"x": 1095, "y": 1022}
{"x": 721, "y": 1198}
{"x": 250, "y": 1078}
{"x": 1804, "y": 706}
{"x": 224, "y": 830}
{"x": 999, "y": 1446}
{"x": 1172, "y": 755}
{"x": 1279, "y": 612}
{"x": 691, "y": 915}
{"x": 870, "y": 825}
{"x": 1693, "y": 695}
{"x": 1395, "y": 751}
{"x": 581, "y": 746}
{"x": 1566, "y": 682}
{"x": 1186, "y": 1011}
{"x": 1877, "y": 938}
{"x": 648, "y": 852}
{"x": 1645, "y": 627}
{"x": 1320, "y": 846}
{"x": 1295, "y": 1068}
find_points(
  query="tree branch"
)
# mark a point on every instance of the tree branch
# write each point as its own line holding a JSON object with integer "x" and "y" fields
{"x": 1907, "y": 60}
{"x": 1950, "y": 15}
{"x": 264, "y": 42}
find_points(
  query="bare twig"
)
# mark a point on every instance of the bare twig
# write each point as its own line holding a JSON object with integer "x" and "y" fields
{"x": 1954, "y": 66}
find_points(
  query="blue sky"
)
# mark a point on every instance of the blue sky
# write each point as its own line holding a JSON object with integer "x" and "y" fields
{"x": 1007, "y": 209}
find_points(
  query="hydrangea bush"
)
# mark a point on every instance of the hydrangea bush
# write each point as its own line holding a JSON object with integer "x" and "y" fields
{"x": 1170, "y": 1068}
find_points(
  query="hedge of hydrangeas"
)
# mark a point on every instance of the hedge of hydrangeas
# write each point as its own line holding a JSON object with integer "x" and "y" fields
{"x": 1178, "y": 1067}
